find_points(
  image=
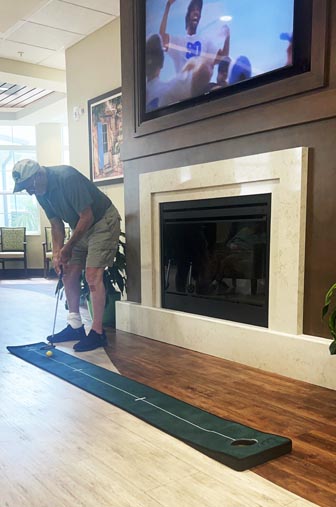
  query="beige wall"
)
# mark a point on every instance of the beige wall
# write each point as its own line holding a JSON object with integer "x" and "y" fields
{"x": 93, "y": 67}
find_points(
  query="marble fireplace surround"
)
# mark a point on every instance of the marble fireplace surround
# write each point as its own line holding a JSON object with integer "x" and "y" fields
{"x": 280, "y": 348}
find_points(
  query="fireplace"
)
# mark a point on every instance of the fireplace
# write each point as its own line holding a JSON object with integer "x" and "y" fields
{"x": 280, "y": 347}
{"x": 215, "y": 257}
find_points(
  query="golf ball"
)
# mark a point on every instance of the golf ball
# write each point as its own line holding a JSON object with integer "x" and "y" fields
{"x": 49, "y": 353}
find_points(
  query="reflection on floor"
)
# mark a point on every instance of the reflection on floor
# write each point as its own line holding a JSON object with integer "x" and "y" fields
{"x": 61, "y": 446}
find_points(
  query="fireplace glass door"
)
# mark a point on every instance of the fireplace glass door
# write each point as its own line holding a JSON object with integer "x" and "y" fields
{"x": 215, "y": 257}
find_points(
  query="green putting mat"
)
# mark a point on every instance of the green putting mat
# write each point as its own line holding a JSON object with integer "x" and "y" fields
{"x": 233, "y": 444}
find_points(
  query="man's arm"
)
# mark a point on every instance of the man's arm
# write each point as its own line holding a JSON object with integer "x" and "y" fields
{"x": 57, "y": 235}
{"x": 225, "y": 51}
{"x": 84, "y": 223}
{"x": 163, "y": 26}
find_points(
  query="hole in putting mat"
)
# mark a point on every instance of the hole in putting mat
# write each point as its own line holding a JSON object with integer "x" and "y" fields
{"x": 243, "y": 442}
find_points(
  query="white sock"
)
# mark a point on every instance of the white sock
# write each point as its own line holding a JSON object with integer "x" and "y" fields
{"x": 74, "y": 319}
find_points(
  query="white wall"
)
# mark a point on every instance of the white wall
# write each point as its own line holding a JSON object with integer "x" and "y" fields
{"x": 93, "y": 67}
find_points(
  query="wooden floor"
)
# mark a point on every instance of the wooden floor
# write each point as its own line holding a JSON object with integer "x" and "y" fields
{"x": 63, "y": 447}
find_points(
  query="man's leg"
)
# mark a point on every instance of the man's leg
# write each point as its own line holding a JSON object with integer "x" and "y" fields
{"x": 101, "y": 248}
{"x": 75, "y": 330}
{"x": 94, "y": 278}
{"x": 71, "y": 281}
{"x": 96, "y": 337}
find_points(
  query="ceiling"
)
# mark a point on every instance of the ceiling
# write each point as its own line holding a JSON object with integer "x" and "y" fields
{"x": 37, "y": 32}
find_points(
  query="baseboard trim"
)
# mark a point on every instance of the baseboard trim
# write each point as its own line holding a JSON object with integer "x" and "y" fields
{"x": 18, "y": 274}
{"x": 301, "y": 357}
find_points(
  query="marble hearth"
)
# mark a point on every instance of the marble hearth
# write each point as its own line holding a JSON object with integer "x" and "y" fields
{"x": 280, "y": 348}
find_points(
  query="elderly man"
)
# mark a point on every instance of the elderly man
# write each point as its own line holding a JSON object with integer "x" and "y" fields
{"x": 67, "y": 196}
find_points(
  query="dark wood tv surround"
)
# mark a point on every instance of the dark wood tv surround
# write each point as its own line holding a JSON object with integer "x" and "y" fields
{"x": 299, "y": 111}
{"x": 302, "y": 114}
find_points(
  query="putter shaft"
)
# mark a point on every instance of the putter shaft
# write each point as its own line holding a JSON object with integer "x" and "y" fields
{"x": 54, "y": 324}
{"x": 58, "y": 290}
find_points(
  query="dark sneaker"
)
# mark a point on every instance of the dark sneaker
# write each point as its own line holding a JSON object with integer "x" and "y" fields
{"x": 91, "y": 342}
{"x": 68, "y": 334}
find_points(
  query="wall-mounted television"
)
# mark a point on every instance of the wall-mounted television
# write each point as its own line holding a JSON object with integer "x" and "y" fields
{"x": 195, "y": 51}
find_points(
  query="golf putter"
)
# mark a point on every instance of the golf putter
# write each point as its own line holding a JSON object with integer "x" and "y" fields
{"x": 57, "y": 292}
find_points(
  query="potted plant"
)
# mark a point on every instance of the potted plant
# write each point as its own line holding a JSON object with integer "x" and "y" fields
{"x": 332, "y": 316}
{"x": 115, "y": 279}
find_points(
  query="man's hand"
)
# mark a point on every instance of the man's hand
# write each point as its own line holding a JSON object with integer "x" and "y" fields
{"x": 65, "y": 254}
{"x": 57, "y": 262}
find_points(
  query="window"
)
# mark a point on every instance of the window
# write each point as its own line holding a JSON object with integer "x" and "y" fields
{"x": 18, "y": 209}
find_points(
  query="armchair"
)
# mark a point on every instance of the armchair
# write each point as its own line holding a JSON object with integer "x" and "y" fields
{"x": 47, "y": 251}
{"x": 13, "y": 245}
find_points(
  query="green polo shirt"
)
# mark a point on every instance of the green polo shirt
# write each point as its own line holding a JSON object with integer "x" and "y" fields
{"x": 69, "y": 193}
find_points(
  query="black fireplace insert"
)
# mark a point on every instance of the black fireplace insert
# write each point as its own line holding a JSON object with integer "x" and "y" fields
{"x": 215, "y": 257}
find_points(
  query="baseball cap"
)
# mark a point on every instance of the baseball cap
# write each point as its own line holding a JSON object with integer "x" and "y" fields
{"x": 286, "y": 36}
{"x": 23, "y": 170}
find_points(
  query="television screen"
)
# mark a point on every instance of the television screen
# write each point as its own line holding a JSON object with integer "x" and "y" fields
{"x": 198, "y": 48}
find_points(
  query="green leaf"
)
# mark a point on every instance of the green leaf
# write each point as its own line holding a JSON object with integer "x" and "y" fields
{"x": 332, "y": 321}
{"x": 332, "y": 317}
{"x": 327, "y": 300}
{"x": 120, "y": 282}
{"x": 330, "y": 294}
{"x": 332, "y": 348}
{"x": 325, "y": 310}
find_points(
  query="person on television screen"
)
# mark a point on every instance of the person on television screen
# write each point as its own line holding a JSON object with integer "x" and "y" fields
{"x": 182, "y": 48}
{"x": 222, "y": 74}
{"x": 155, "y": 87}
{"x": 241, "y": 70}
{"x": 191, "y": 81}
{"x": 289, "y": 38}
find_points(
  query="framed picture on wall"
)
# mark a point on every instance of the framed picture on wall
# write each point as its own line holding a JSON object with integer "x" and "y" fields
{"x": 105, "y": 138}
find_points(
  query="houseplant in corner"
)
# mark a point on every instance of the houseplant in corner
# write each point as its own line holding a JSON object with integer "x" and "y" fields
{"x": 332, "y": 316}
{"x": 115, "y": 279}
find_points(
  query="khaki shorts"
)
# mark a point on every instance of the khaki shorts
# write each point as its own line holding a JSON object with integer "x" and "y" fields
{"x": 98, "y": 246}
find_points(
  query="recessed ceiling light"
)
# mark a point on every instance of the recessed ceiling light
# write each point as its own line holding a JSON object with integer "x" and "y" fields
{"x": 3, "y": 88}
{"x": 226, "y": 18}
